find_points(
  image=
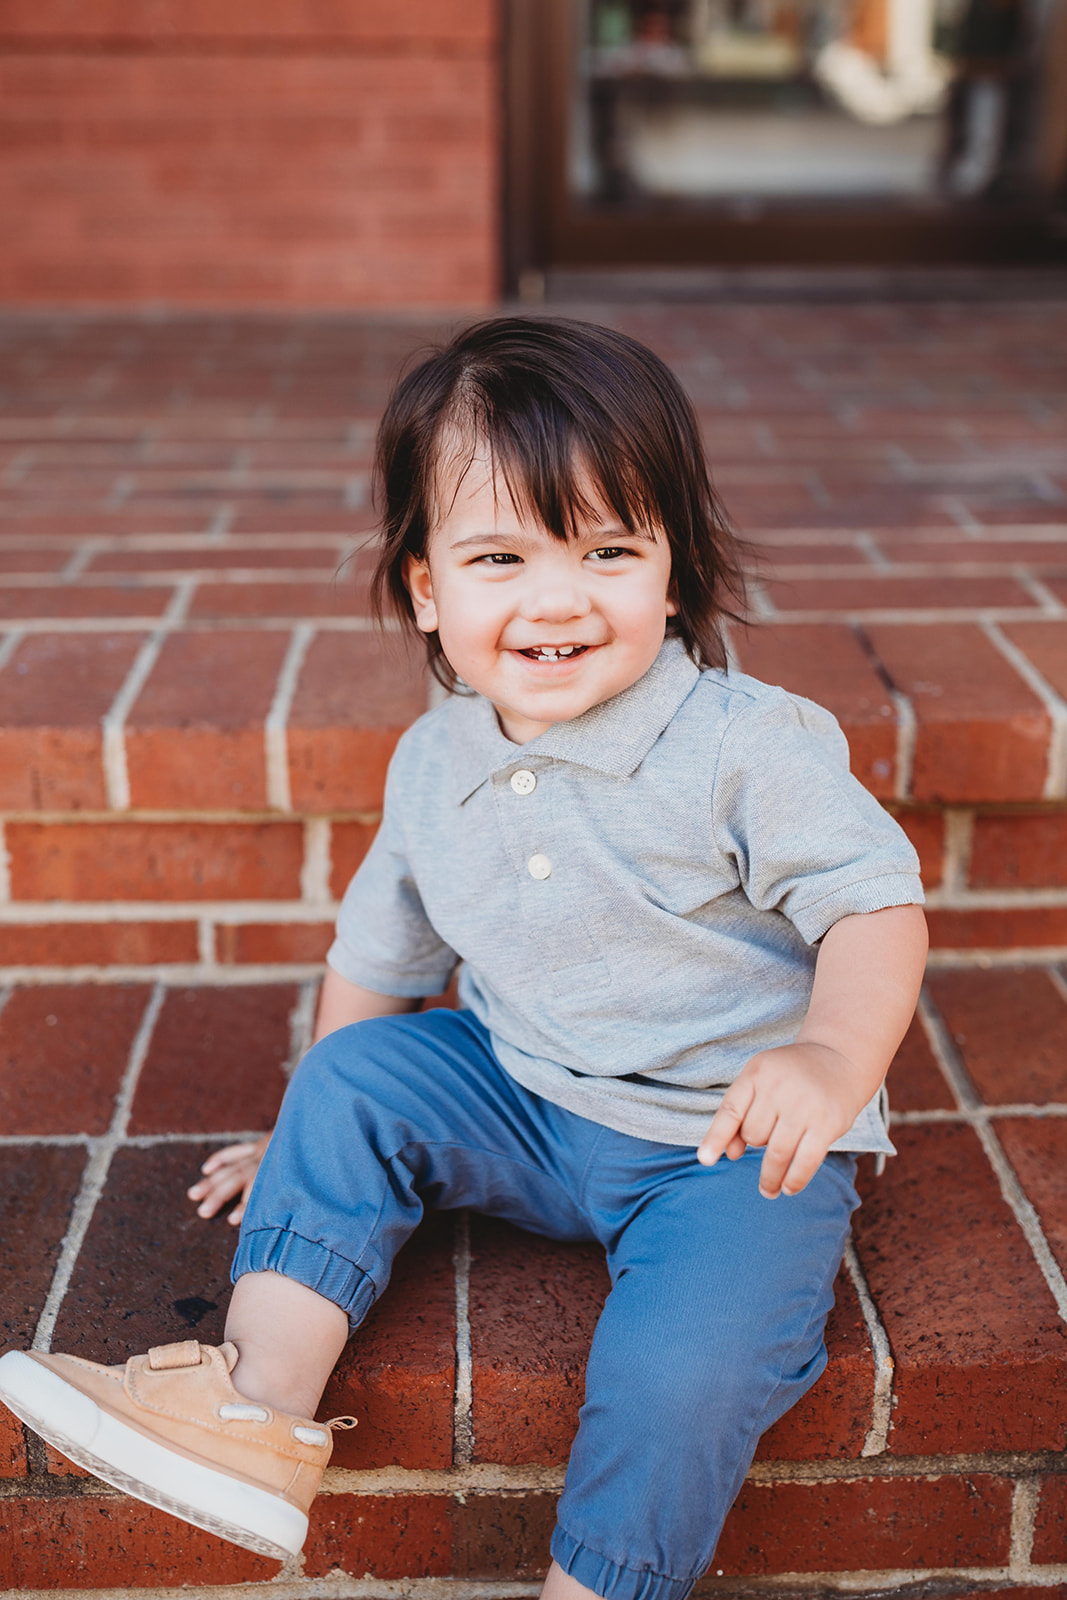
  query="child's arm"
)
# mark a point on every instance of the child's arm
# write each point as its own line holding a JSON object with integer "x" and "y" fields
{"x": 798, "y": 1099}
{"x": 232, "y": 1170}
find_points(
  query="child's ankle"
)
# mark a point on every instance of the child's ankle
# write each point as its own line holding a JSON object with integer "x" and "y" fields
{"x": 259, "y": 1376}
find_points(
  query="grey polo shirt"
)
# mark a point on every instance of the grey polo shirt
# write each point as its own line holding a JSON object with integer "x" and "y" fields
{"x": 635, "y": 895}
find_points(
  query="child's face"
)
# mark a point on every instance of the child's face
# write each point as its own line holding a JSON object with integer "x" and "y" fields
{"x": 505, "y": 596}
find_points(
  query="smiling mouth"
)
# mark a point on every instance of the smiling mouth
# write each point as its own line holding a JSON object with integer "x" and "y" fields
{"x": 554, "y": 652}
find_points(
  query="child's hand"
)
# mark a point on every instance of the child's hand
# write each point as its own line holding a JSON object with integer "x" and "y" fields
{"x": 796, "y": 1100}
{"x": 228, "y": 1172}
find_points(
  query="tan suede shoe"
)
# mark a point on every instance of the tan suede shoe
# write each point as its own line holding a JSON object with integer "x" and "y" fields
{"x": 170, "y": 1428}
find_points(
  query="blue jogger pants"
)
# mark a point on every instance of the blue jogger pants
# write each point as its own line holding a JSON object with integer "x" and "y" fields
{"x": 714, "y": 1324}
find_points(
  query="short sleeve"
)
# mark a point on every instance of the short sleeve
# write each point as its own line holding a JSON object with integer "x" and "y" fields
{"x": 384, "y": 940}
{"x": 806, "y": 837}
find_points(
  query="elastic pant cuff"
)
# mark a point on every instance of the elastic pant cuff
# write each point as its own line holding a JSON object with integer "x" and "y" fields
{"x": 609, "y": 1578}
{"x": 307, "y": 1262}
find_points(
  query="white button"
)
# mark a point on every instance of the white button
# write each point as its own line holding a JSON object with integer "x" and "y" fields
{"x": 523, "y": 782}
{"x": 539, "y": 866}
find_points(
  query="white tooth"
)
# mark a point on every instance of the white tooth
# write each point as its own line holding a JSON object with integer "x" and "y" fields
{"x": 566, "y": 650}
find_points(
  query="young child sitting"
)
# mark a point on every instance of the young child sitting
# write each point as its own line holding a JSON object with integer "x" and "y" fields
{"x": 685, "y": 932}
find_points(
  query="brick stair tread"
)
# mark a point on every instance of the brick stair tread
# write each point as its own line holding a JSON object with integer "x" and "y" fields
{"x": 978, "y": 1348}
{"x": 936, "y": 711}
{"x": 980, "y": 1353}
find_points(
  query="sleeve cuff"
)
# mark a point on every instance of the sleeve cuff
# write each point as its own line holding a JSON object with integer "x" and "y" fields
{"x": 405, "y": 985}
{"x": 873, "y": 894}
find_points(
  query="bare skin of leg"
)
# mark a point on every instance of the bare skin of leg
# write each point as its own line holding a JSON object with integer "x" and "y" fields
{"x": 559, "y": 1586}
{"x": 288, "y": 1339}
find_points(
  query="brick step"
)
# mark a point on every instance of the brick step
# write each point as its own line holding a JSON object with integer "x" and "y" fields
{"x": 195, "y": 716}
{"x": 928, "y": 1456}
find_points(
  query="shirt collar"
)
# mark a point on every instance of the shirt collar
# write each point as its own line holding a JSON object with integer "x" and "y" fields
{"x": 614, "y": 737}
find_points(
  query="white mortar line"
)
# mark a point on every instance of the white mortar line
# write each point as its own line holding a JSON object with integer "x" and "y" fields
{"x": 301, "y": 1026}
{"x": 1059, "y": 983}
{"x": 1056, "y": 774}
{"x": 220, "y": 524}
{"x": 905, "y": 754}
{"x": 877, "y": 1439}
{"x": 80, "y": 558}
{"x": 177, "y": 974}
{"x": 1016, "y": 1109}
{"x": 338, "y": 1586}
{"x": 1050, "y": 604}
{"x": 95, "y": 1175}
{"x": 959, "y": 831}
{"x": 315, "y": 871}
{"x": 462, "y": 1416}
{"x": 8, "y": 645}
{"x": 956, "y": 1076}
{"x": 951, "y": 960}
{"x": 116, "y": 774}
{"x": 274, "y": 729}
{"x": 873, "y": 550}
{"x": 205, "y": 941}
{"x": 1025, "y": 1495}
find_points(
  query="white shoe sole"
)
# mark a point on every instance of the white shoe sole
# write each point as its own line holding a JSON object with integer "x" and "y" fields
{"x": 129, "y": 1460}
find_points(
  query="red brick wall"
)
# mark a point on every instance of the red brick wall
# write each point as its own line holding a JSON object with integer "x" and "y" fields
{"x": 249, "y": 152}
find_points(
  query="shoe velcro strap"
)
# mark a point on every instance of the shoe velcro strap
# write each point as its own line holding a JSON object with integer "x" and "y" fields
{"x": 166, "y": 1357}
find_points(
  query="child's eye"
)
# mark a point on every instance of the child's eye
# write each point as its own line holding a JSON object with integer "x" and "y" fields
{"x": 499, "y": 558}
{"x": 610, "y": 552}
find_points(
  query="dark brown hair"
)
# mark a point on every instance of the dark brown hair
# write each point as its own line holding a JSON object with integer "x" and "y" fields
{"x": 560, "y": 405}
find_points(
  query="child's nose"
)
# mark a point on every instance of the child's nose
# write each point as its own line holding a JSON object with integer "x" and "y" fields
{"x": 555, "y": 597}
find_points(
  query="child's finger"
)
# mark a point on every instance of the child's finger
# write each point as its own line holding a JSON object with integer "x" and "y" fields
{"x": 777, "y": 1159}
{"x": 227, "y": 1156}
{"x": 726, "y": 1124}
{"x": 810, "y": 1153}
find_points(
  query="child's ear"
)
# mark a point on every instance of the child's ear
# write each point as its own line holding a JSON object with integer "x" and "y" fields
{"x": 420, "y": 588}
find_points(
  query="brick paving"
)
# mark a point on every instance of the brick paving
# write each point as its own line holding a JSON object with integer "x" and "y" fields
{"x": 195, "y": 718}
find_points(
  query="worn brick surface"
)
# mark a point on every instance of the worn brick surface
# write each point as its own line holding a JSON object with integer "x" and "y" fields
{"x": 24, "y": 603}
{"x": 12, "y": 1446}
{"x": 1011, "y": 1030}
{"x": 53, "y": 693}
{"x": 533, "y": 1307}
{"x": 867, "y": 1524}
{"x": 1037, "y": 1149}
{"x": 63, "y": 1051}
{"x": 349, "y": 843}
{"x": 1005, "y": 928}
{"x": 926, "y": 830}
{"x": 502, "y": 1536}
{"x": 379, "y": 1536}
{"x": 398, "y": 1371}
{"x": 151, "y": 1271}
{"x": 833, "y": 1417}
{"x": 272, "y": 942}
{"x": 982, "y": 734}
{"x": 155, "y": 860}
{"x": 915, "y": 1081}
{"x": 103, "y": 944}
{"x": 195, "y": 737}
{"x": 216, "y": 1060}
{"x": 827, "y": 663}
{"x": 92, "y": 1542}
{"x": 38, "y": 1185}
{"x": 1027, "y": 851}
{"x": 1050, "y": 1524}
{"x": 980, "y": 1351}
{"x": 355, "y": 697}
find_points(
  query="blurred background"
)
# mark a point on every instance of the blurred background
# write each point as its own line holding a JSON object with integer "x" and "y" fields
{"x": 359, "y": 153}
